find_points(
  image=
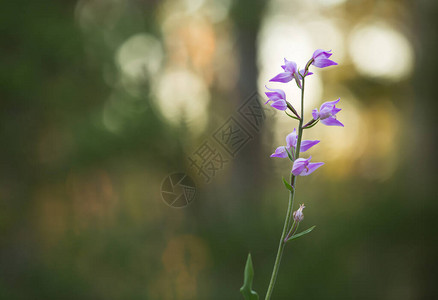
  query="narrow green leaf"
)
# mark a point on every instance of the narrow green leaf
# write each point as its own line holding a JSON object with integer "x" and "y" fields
{"x": 246, "y": 289}
{"x": 310, "y": 126}
{"x": 295, "y": 236}
{"x": 291, "y": 155}
{"x": 293, "y": 117}
{"x": 287, "y": 185}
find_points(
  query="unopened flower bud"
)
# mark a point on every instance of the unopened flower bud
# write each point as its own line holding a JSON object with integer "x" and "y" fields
{"x": 298, "y": 214}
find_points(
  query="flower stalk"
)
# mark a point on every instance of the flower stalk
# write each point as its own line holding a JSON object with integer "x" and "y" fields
{"x": 287, "y": 221}
{"x": 295, "y": 144}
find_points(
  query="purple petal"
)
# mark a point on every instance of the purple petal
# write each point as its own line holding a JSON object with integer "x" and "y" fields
{"x": 331, "y": 121}
{"x": 275, "y": 93}
{"x": 311, "y": 168}
{"x": 322, "y": 54}
{"x": 307, "y": 144}
{"x": 300, "y": 165}
{"x": 323, "y": 62}
{"x": 272, "y": 96}
{"x": 326, "y": 112}
{"x": 289, "y": 66}
{"x": 291, "y": 139}
{"x": 279, "y": 104}
{"x": 335, "y": 110}
{"x": 283, "y": 77}
{"x": 329, "y": 104}
{"x": 280, "y": 152}
{"x": 317, "y": 53}
{"x": 315, "y": 114}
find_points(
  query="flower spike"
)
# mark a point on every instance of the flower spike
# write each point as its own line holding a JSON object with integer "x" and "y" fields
{"x": 294, "y": 141}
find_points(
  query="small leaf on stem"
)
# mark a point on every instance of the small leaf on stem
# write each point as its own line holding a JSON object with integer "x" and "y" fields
{"x": 311, "y": 124}
{"x": 293, "y": 117}
{"x": 246, "y": 289}
{"x": 289, "y": 154}
{"x": 287, "y": 185}
{"x": 298, "y": 235}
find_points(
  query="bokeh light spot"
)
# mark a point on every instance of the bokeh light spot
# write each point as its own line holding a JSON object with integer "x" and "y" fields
{"x": 381, "y": 52}
{"x": 183, "y": 97}
{"x": 140, "y": 56}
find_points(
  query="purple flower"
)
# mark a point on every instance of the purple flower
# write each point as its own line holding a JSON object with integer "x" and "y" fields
{"x": 278, "y": 98}
{"x": 298, "y": 214}
{"x": 303, "y": 167}
{"x": 290, "y": 72}
{"x": 327, "y": 113}
{"x": 291, "y": 144}
{"x": 321, "y": 59}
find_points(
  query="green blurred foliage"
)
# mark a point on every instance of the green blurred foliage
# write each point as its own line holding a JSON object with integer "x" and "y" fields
{"x": 80, "y": 210}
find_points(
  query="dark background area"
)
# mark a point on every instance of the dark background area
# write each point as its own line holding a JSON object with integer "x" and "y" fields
{"x": 101, "y": 100}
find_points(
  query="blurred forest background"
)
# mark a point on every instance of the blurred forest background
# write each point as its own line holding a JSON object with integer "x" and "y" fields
{"x": 102, "y": 99}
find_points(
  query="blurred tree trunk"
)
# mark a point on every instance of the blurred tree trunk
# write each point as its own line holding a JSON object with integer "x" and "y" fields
{"x": 247, "y": 16}
{"x": 422, "y": 174}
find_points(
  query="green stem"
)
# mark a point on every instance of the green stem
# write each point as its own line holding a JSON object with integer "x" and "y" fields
{"x": 300, "y": 127}
{"x": 288, "y": 218}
